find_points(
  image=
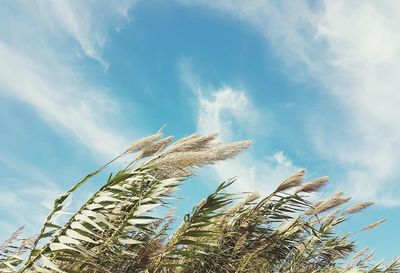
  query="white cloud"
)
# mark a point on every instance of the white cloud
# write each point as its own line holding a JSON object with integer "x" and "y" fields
{"x": 70, "y": 107}
{"x": 352, "y": 48}
{"x": 38, "y": 65}
{"x": 228, "y": 106}
{"x": 365, "y": 65}
{"x": 76, "y": 19}
{"x": 40, "y": 46}
{"x": 89, "y": 21}
{"x": 225, "y": 101}
{"x": 231, "y": 114}
{"x": 64, "y": 23}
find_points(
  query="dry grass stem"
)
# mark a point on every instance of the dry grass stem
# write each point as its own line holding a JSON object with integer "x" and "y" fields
{"x": 330, "y": 217}
{"x": 249, "y": 199}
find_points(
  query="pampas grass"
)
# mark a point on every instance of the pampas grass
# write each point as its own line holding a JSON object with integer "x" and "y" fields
{"x": 121, "y": 228}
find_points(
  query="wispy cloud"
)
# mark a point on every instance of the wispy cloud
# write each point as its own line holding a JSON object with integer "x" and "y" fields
{"x": 353, "y": 51}
{"x": 41, "y": 47}
{"x": 364, "y": 62}
{"x": 64, "y": 24}
{"x": 38, "y": 66}
{"x": 88, "y": 22}
{"x": 231, "y": 114}
{"x": 70, "y": 107}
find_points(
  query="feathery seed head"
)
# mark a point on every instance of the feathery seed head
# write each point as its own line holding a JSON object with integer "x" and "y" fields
{"x": 144, "y": 142}
{"x": 311, "y": 209}
{"x": 184, "y": 140}
{"x": 155, "y": 147}
{"x": 292, "y": 181}
{"x": 251, "y": 197}
{"x": 182, "y": 161}
{"x": 330, "y": 217}
{"x": 332, "y": 202}
{"x": 227, "y": 151}
{"x": 192, "y": 143}
{"x": 358, "y": 207}
{"x": 373, "y": 225}
{"x": 314, "y": 185}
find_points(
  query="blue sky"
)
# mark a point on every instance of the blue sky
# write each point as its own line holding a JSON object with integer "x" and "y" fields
{"x": 313, "y": 83}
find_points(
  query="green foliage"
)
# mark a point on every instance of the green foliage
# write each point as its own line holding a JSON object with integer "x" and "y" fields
{"x": 121, "y": 227}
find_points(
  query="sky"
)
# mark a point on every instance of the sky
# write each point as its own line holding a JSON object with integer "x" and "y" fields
{"x": 313, "y": 83}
